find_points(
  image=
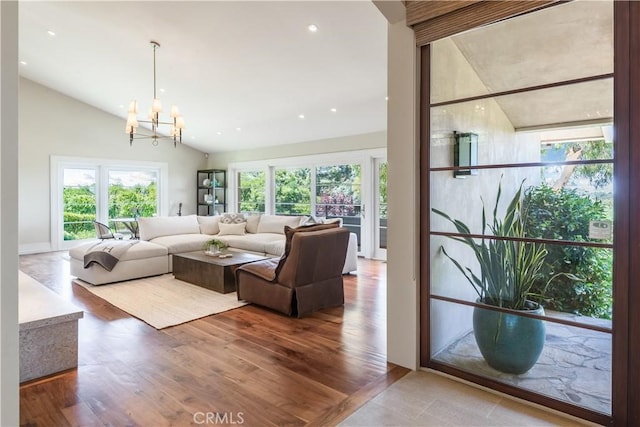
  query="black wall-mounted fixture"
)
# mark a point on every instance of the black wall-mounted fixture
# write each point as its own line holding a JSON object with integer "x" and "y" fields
{"x": 465, "y": 153}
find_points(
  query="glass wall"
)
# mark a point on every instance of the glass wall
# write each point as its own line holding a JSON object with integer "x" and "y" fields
{"x": 525, "y": 240}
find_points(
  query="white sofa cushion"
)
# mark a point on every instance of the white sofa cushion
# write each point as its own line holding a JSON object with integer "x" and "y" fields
{"x": 252, "y": 223}
{"x": 209, "y": 224}
{"x": 140, "y": 250}
{"x": 152, "y": 227}
{"x": 253, "y": 242}
{"x": 275, "y": 248}
{"x": 276, "y": 223}
{"x": 182, "y": 242}
{"x": 231, "y": 229}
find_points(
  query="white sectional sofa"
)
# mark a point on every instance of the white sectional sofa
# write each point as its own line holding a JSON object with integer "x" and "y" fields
{"x": 161, "y": 237}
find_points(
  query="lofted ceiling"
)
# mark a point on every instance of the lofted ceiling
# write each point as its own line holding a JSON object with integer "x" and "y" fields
{"x": 241, "y": 72}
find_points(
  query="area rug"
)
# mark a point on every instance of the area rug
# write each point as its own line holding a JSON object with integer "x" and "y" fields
{"x": 163, "y": 301}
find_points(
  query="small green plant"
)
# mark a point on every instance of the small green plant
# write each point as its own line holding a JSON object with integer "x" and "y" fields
{"x": 214, "y": 242}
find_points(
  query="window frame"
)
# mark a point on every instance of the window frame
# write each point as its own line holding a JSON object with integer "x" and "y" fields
{"x": 102, "y": 167}
{"x": 365, "y": 158}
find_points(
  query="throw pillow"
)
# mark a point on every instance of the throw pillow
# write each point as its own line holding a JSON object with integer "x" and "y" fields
{"x": 252, "y": 223}
{"x": 232, "y": 218}
{"x": 314, "y": 220}
{"x": 209, "y": 224}
{"x": 231, "y": 229}
{"x": 276, "y": 223}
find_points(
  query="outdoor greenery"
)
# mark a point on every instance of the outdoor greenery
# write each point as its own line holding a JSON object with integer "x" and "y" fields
{"x": 251, "y": 192}
{"x": 383, "y": 190}
{"x": 564, "y": 215}
{"x": 79, "y": 212}
{"x": 338, "y": 190}
{"x": 293, "y": 191}
{"x": 137, "y": 200}
{"x": 597, "y": 175}
{"x": 80, "y": 206}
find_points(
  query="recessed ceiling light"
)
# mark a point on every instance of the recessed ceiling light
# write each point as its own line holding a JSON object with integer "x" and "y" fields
{"x": 162, "y": 90}
{"x": 51, "y": 33}
{"x": 238, "y": 129}
{"x": 219, "y": 133}
{"x": 313, "y": 28}
{"x": 193, "y": 137}
{"x": 121, "y": 106}
{"x": 301, "y": 116}
{"x": 333, "y": 110}
{"x": 386, "y": 98}
{"x": 23, "y": 62}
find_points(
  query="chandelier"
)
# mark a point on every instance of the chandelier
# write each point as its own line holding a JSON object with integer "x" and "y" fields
{"x": 177, "y": 123}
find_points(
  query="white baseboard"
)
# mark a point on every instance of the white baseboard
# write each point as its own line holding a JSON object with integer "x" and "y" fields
{"x": 34, "y": 248}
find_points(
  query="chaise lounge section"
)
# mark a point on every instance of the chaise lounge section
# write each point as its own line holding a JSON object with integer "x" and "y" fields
{"x": 161, "y": 237}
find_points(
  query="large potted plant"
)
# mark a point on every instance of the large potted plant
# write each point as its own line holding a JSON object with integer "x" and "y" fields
{"x": 508, "y": 269}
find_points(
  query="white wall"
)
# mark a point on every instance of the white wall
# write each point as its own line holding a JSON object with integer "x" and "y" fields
{"x": 403, "y": 197}
{"x": 323, "y": 146}
{"x": 51, "y": 123}
{"x": 9, "y": 396}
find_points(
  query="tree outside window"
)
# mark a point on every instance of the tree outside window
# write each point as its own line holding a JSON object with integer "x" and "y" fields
{"x": 293, "y": 191}
{"x": 251, "y": 192}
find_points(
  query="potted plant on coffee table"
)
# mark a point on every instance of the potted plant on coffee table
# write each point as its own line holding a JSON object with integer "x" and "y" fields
{"x": 213, "y": 246}
{"x": 509, "y": 267}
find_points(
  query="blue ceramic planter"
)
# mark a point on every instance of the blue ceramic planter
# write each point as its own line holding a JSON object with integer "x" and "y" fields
{"x": 508, "y": 342}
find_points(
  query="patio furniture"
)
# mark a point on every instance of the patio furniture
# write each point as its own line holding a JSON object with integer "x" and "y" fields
{"x": 103, "y": 231}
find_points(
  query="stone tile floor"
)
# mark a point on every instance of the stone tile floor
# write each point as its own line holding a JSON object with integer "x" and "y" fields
{"x": 575, "y": 366}
{"x": 425, "y": 398}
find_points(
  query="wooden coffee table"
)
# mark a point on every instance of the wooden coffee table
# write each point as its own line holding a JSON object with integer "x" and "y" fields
{"x": 211, "y": 272}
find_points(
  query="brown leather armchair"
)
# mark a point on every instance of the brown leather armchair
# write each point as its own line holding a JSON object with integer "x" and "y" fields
{"x": 308, "y": 277}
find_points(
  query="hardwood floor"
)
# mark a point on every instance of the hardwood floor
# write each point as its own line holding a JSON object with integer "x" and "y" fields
{"x": 246, "y": 366}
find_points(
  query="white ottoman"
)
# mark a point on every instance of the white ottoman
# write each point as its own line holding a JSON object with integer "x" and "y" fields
{"x": 141, "y": 260}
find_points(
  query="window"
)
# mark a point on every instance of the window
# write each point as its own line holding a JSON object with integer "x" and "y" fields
{"x": 84, "y": 190}
{"x": 251, "y": 192}
{"x": 133, "y": 193}
{"x": 338, "y": 194}
{"x": 79, "y": 203}
{"x": 334, "y": 185}
{"x": 293, "y": 191}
